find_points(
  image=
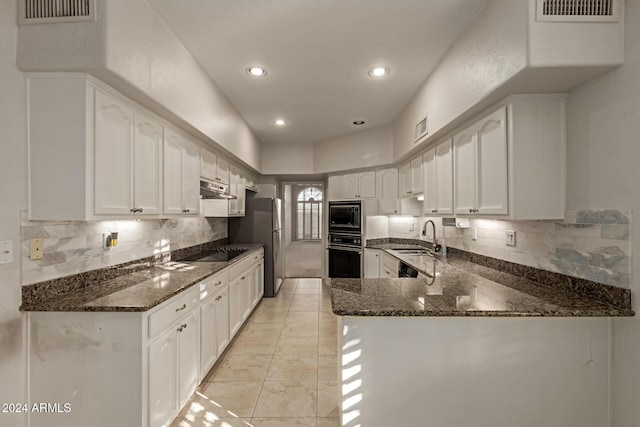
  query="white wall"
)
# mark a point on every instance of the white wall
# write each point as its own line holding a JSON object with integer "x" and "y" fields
{"x": 486, "y": 56}
{"x": 132, "y": 49}
{"x": 13, "y": 187}
{"x": 361, "y": 149}
{"x": 603, "y": 154}
{"x": 287, "y": 159}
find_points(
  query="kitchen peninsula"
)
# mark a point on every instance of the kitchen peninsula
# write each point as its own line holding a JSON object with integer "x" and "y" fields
{"x": 473, "y": 345}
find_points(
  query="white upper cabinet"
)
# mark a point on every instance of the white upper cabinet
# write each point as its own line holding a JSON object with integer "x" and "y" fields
{"x": 213, "y": 168}
{"x": 438, "y": 179}
{"x": 411, "y": 178}
{"x": 349, "y": 186}
{"x": 360, "y": 185}
{"x": 93, "y": 156}
{"x": 511, "y": 162}
{"x": 237, "y": 188}
{"x": 388, "y": 200}
{"x": 480, "y": 158}
{"x": 147, "y": 165}
{"x": 181, "y": 174}
{"x": 113, "y": 156}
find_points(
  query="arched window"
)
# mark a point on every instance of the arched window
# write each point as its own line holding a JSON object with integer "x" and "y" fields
{"x": 309, "y": 214}
{"x": 310, "y": 194}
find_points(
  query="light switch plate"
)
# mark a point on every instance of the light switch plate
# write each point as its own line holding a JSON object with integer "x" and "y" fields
{"x": 37, "y": 249}
{"x": 6, "y": 251}
{"x": 510, "y": 238}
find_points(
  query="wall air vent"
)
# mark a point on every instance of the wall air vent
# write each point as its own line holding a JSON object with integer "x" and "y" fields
{"x": 577, "y": 10}
{"x": 421, "y": 129}
{"x": 55, "y": 11}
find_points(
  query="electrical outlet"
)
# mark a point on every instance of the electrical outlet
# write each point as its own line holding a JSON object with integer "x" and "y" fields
{"x": 37, "y": 249}
{"x": 510, "y": 238}
{"x": 474, "y": 233}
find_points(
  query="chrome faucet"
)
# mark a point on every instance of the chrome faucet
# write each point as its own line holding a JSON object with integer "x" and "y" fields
{"x": 435, "y": 247}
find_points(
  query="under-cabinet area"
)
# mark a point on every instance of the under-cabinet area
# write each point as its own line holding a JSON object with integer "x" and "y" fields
{"x": 120, "y": 359}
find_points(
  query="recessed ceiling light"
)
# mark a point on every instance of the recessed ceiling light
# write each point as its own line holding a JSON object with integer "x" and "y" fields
{"x": 359, "y": 122}
{"x": 257, "y": 71}
{"x": 280, "y": 122}
{"x": 378, "y": 72}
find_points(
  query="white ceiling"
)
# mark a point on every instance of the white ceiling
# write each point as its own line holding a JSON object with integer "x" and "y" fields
{"x": 317, "y": 53}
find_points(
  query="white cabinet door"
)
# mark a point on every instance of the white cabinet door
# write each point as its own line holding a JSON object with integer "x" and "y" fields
{"x": 236, "y": 305}
{"x": 405, "y": 179}
{"x": 464, "y": 168}
{"x": 371, "y": 263}
{"x": 480, "y": 166}
{"x": 188, "y": 356}
{"x": 388, "y": 199}
{"x": 367, "y": 185}
{"x": 208, "y": 336}
{"x": 172, "y": 175}
{"x": 492, "y": 164}
{"x": 222, "y": 319}
{"x": 334, "y": 187}
{"x": 147, "y": 167}
{"x": 163, "y": 369}
{"x": 444, "y": 177}
{"x": 113, "y": 156}
{"x": 236, "y": 187}
{"x": 349, "y": 186}
{"x": 417, "y": 176}
{"x": 222, "y": 171}
{"x": 181, "y": 177}
{"x": 190, "y": 178}
{"x": 208, "y": 165}
{"x": 430, "y": 203}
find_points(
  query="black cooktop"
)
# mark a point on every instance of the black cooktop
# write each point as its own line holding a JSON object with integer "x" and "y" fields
{"x": 211, "y": 256}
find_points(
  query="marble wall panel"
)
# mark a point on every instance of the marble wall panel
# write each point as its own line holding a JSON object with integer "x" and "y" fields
{"x": 589, "y": 244}
{"x": 72, "y": 247}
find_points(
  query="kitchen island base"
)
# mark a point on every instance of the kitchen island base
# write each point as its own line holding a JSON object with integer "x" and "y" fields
{"x": 474, "y": 371}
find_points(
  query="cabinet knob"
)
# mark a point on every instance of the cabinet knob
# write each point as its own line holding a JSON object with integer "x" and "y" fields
{"x": 219, "y": 283}
{"x": 179, "y": 329}
{"x": 184, "y": 326}
{"x": 408, "y": 192}
{"x": 181, "y": 308}
{"x": 242, "y": 278}
{"x": 376, "y": 255}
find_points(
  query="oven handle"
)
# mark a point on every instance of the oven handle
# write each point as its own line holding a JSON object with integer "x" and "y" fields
{"x": 345, "y": 248}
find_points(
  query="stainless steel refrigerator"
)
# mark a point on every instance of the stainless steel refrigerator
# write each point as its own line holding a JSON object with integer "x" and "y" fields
{"x": 262, "y": 224}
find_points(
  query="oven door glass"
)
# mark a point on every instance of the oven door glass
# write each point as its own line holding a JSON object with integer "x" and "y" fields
{"x": 347, "y": 216}
{"x": 345, "y": 262}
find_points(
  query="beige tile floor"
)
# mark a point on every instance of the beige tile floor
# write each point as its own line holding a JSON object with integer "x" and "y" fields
{"x": 280, "y": 371}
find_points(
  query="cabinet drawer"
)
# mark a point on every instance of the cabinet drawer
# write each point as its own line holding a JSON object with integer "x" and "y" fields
{"x": 389, "y": 266}
{"x": 213, "y": 284}
{"x": 243, "y": 266}
{"x": 173, "y": 311}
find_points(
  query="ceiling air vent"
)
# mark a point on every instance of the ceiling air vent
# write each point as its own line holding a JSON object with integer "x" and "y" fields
{"x": 54, "y": 11}
{"x": 577, "y": 10}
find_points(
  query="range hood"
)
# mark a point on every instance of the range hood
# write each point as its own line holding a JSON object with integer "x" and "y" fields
{"x": 215, "y": 190}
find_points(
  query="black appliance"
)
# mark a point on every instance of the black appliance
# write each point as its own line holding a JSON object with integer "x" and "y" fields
{"x": 405, "y": 270}
{"x": 262, "y": 224}
{"x": 345, "y": 217}
{"x": 345, "y": 255}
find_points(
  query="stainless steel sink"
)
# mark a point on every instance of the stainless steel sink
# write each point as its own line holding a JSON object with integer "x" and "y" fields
{"x": 413, "y": 251}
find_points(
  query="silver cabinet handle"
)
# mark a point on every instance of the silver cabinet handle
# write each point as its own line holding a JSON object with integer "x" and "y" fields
{"x": 219, "y": 283}
{"x": 242, "y": 278}
{"x": 181, "y": 308}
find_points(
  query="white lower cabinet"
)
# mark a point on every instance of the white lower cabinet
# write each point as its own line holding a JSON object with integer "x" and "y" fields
{"x": 388, "y": 266}
{"x": 163, "y": 365}
{"x": 238, "y": 302}
{"x": 138, "y": 368}
{"x": 371, "y": 263}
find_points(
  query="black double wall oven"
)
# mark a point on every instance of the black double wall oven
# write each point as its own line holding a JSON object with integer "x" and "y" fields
{"x": 346, "y": 239}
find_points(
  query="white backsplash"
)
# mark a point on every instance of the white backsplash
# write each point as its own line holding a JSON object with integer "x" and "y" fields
{"x": 72, "y": 247}
{"x": 589, "y": 244}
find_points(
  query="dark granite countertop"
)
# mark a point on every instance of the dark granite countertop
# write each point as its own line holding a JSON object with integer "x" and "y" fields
{"x": 142, "y": 289}
{"x": 454, "y": 286}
